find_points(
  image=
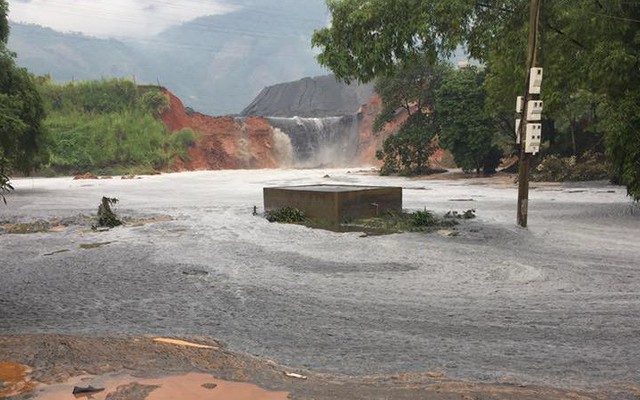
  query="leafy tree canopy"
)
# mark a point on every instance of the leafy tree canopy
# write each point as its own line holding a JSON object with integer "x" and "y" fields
{"x": 21, "y": 114}
{"x": 408, "y": 151}
{"x": 585, "y": 46}
{"x": 466, "y": 130}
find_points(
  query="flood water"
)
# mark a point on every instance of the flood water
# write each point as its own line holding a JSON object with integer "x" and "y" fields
{"x": 555, "y": 304}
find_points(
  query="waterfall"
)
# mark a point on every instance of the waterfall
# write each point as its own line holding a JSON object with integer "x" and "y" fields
{"x": 321, "y": 142}
{"x": 283, "y": 148}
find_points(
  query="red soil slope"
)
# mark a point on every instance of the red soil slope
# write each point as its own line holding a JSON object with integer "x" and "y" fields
{"x": 223, "y": 142}
{"x": 234, "y": 143}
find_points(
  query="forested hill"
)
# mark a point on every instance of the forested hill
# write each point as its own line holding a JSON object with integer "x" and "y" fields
{"x": 216, "y": 64}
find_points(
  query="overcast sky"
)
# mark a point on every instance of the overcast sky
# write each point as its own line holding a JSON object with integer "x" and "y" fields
{"x": 113, "y": 18}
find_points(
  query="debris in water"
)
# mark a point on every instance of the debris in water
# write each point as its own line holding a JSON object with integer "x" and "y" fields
{"x": 179, "y": 342}
{"x": 209, "y": 385}
{"x": 294, "y": 375}
{"x": 88, "y": 389}
{"x": 56, "y": 252}
{"x": 87, "y": 246}
{"x": 195, "y": 272}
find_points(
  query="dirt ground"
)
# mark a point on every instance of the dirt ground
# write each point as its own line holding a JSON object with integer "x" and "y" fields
{"x": 56, "y": 359}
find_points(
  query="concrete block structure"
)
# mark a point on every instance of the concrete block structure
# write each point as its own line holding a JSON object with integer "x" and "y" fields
{"x": 335, "y": 203}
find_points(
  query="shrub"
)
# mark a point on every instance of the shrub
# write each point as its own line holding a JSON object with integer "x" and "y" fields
{"x": 5, "y": 186}
{"x": 288, "y": 215}
{"x": 591, "y": 166}
{"x": 154, "y": 101}
{"x": 180, "y": 141}
{"x": 106, "y": 217}
{"x": 423, "y": 219}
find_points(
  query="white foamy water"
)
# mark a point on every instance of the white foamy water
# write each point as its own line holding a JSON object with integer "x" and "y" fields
{"x": 556, "y": 303}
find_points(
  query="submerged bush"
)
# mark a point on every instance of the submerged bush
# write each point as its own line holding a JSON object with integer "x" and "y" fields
{"x": 106, "y": 217}
{"x": 288, "y": 215}
{"x": 417, "y": 221}
{"x": 423, "y": 219}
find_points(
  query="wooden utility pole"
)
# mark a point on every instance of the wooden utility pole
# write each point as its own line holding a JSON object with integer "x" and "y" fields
{"x": 525, "y": 158}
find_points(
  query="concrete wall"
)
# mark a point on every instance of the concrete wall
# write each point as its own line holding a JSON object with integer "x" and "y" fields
{"x": 335, "y": 203}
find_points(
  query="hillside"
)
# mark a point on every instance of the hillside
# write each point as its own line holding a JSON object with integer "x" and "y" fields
{"x": 216, "y": 64}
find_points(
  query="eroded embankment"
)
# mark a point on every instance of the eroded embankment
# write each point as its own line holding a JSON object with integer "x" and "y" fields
{"x": 137, "y": 368}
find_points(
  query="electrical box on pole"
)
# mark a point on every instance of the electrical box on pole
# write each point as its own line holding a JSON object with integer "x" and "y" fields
{"x": 532, "y": 138}
{"x": 535, "y": 80}
{"x": 530, "y": 143}
{"x": 519, "y": 104}
{"x": 534, "y": 110}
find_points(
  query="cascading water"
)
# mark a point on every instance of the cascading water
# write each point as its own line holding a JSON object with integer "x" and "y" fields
{"x": 316, "y": 142}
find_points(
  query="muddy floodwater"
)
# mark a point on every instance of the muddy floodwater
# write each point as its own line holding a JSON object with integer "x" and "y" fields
{"x": 556, "y": 304}
{"x": 192, "y": 386}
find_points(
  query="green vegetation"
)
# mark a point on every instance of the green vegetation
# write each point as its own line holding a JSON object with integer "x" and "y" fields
{"x": 109, "y": 127}
{"x": 106, "y": 217}
{"x": 5, "y": 186}
{"x": 590, "y": 166}
{"x": 411, "y": 88}
{"x": 466, "y": 129}
{"x": 387, "y": 223}
{"x": 21, "y": 114}
{"x": 589, "y": 50}
{"x": 445, "y": 107}
{"x": 408, "y": 152}
{"x": 398, "y": 222}
{"x": 287, "y": 215}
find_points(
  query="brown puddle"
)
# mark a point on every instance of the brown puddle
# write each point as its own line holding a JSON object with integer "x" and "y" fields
{"x": 14, "y": 380}
{"x": 193, "y": 386}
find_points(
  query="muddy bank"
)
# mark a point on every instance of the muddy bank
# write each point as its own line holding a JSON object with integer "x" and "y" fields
{"x": 141, "y": 368}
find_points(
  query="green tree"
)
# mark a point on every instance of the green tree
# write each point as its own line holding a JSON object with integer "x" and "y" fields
{"x": 466, "y": 130}
{"x": 585, "y": 45}
{"x": 411, "y": 87}
{"x": 21, "y": 114}
{"x": 368, "y": 37}
{"x": 408, "y": 151}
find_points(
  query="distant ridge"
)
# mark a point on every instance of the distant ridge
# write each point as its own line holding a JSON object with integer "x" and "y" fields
{"x": 215, "y": 63}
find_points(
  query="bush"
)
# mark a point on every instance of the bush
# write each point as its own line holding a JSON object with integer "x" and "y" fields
{"x": 179, "y": 142}
{"x": 5, "y": 186}
{"x": 591, "y": 166}
{"x": 287, "y": 215}
{"x": 423, "y": 219}
{"x": 154, "y": 101}
{"x": 106, "y": 217}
